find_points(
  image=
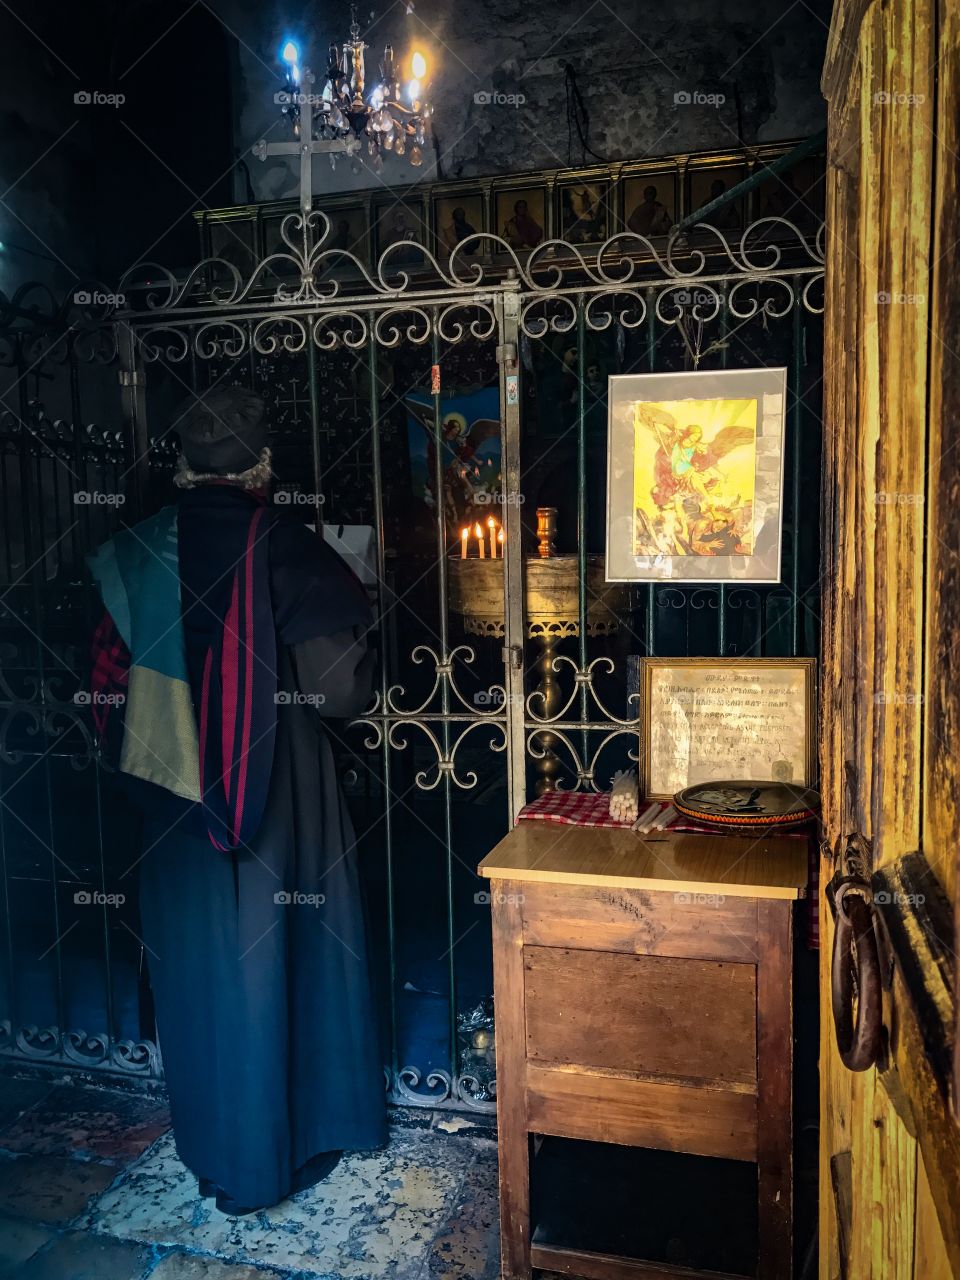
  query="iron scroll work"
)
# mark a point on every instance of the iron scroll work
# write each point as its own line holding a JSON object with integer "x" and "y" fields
{"x": 314, "y": 297}
{"x": 628, "y": 274}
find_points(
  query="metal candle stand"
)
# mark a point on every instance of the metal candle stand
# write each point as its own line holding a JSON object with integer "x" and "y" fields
{"x": 551, "y": 594}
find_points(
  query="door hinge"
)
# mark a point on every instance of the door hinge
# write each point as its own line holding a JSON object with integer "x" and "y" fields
{"x": 513, "y": 656}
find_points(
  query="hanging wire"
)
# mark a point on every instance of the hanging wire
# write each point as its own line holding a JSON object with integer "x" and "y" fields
{"x": 578, "y": 118}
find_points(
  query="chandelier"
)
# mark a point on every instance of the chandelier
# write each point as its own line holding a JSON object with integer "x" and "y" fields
{"x": 392, "y": 116}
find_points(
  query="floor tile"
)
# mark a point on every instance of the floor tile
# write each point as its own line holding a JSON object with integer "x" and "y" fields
{"x": 375, "y": 1218}
{"x": 50, "y": 1189}
{"x": 105, "y": 1124}
{"x": 468, "y": 1245}
{"x": 76, "y": 1256}
{"x": 190, "y": 1266}
{"x": 18, "y": 1241}
{"x": 17, "y": 1096}
{"x": 423, "y": 1209}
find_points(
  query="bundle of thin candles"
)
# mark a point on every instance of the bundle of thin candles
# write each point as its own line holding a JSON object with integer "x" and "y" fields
{"x": 624, "y": 797}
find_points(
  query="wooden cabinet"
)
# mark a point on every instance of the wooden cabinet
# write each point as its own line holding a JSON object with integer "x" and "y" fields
{"x": 643, "y": 997}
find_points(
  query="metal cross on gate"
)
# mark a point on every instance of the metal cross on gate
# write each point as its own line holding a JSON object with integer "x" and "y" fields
{"x": 306, "y": 146}
{"x": 352, "y": 397}
{"x": 294, "y": 402}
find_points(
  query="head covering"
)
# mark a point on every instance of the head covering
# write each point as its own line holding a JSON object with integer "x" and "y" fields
{"x": 223, "y": 431}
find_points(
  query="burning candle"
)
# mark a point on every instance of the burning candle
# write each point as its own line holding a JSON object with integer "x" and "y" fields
{"x": 479, "y": 533}
{"x": 464, "y": 534}
{"x": 491, "y": 523}
{"x": 500, "y": 540}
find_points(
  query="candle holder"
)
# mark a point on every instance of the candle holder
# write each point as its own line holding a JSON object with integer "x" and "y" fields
{"x": 552, "y": 613}
{"x": 546, "y": 531}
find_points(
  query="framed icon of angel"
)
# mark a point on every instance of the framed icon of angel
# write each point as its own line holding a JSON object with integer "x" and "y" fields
{"x": 695, "y": 476}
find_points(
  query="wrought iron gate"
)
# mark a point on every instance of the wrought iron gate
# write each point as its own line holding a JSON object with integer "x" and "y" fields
{"x": 473, "y": 707}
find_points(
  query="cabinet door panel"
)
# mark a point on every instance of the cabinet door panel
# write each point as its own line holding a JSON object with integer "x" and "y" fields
{"x": 648, "y": 1015}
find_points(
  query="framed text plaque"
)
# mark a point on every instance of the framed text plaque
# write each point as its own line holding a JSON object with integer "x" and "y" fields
{"x": 712, "y": 719}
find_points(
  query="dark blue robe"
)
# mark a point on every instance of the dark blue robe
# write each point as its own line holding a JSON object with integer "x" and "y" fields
{"x": 258, "y": 956}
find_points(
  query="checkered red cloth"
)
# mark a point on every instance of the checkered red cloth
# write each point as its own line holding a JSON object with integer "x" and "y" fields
{"x": 592, "y": 809}
{"x": 578, "y": 808}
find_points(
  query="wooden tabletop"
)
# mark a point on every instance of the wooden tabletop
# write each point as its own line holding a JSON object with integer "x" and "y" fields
{"x": 747, "y": 867}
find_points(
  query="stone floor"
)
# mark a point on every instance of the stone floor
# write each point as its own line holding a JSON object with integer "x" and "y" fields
{"x": 91, "y": 1189}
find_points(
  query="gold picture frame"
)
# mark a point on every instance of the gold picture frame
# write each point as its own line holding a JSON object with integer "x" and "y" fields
{"x": 685, "y": 738}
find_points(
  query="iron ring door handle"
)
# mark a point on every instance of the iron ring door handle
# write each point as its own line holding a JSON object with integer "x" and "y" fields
{"x": 855, "y": 971}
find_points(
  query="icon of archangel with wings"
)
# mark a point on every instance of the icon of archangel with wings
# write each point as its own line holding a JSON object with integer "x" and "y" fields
{"x": 694, "y": 477}
{"x": 469, "y": 453}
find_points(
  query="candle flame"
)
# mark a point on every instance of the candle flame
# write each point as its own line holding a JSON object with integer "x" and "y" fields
{"x": 479, "y": 531}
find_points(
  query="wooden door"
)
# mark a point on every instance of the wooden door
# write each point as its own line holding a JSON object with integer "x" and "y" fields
{"x": 890, "y": 733}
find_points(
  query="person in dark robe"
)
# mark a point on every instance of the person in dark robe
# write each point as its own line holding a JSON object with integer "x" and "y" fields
{"x": 232, "y": 633}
